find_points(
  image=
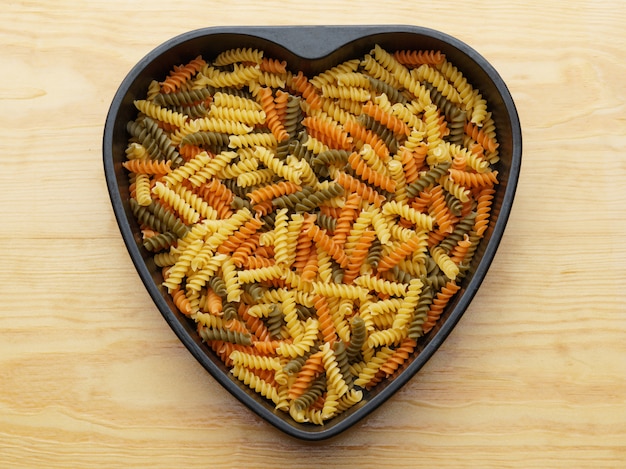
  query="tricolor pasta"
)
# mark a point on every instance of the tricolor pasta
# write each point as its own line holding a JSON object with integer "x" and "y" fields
{"x": 313, "y": 228}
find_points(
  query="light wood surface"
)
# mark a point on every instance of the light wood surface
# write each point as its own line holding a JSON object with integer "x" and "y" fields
{"x": 533, "y": 376}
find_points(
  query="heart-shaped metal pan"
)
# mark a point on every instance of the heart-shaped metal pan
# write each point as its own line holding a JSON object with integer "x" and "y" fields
{"x": 311, "y": 49}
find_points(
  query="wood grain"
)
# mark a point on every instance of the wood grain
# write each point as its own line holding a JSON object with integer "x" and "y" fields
{"x": 533, "y": 376}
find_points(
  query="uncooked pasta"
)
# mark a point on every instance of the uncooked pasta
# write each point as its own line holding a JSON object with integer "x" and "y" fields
{"x": 313, "y": 229}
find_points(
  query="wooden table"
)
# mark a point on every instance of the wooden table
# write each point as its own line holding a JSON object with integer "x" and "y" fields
{"x": 533, "y": 376}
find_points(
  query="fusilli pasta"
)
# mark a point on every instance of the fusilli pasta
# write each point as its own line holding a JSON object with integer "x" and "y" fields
{"x": 314, "y": 229}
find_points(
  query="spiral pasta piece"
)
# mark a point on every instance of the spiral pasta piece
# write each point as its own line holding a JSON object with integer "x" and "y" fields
{"x": 439, "y": 210}
{"x": 159, "y": 242}
{"x": 323, "y": 195}
{"x": 246, "y": 116}
{"x": 294, "y": 230}
{"x": 409, "y": 165}
{"x": 478, "y": 109}
{"x": 331, "y": 75}
{"x": 405, "y": 312}
{"x": 135, "y": 151}
{"x": 428, "y": 178}
{"x": 421, "y": 220}
{"x": 260, "y": 274}
{"x": 334, "y": 290}
{"x": 381, "y": 286}
{"x": 483, "y": 209}
{"x": 183, "y": 97}
{"x": 235, "y": 170}
{"x": 256, "y": 383}
{"x": 281, "y": 169}
{"x": 272, "y": 191}
{"x": 447, "y": 266}
{"x": 273, "y": 119}
{"x": 368, "y": 174}
{"x": 327, "y": 327}
{"x": 352, "y": 93}
{"x": 350, "y": 184}
{"x": 142, "y": 190}
{"x": 186, "y": 212}
{"x": 480, "y": 136}
{"x": 469, "y": 180}
{"x": 310, "y": 268}
{"x": 240, "y": 75}
{"x": 458, "y": 254}
{"x": 439, "y": 303}
{"x": 415, "y": 58}
{"x": 352, "y": 79}
{"x": 255, "y": 178}
{"x": 214, "y": 124}
{"x": 358, "y": 256}
{"x": 160, "y": 113}
{"x": 312, "y": 368}
{"x": 396, "y": 171}
{"x": 182, "y": 74}
{"x": 266, "y": 79}
{"x": 182, "y": 302}
{"x": 248, "y": 360}
{"x": 238, "y": 54}
{"x": 158, "y": 218}
{"x": 377, "y": 71}
{"x": 301, "y": 84}
{"x": 399, "y": 357}
{"x": 151, "y": 167}
{"x": 437, "y": 79}
{"x": 386, "y": 118}
{"x": 334, "y": 378}
{"x": 307, "y": 173}
{"x": 433, "y": 127}
{"x": 281, "y": 242}
{"x": 328, "y": 132}
{"x": 303, "y": 245}
{"x": 347, "y": 216}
